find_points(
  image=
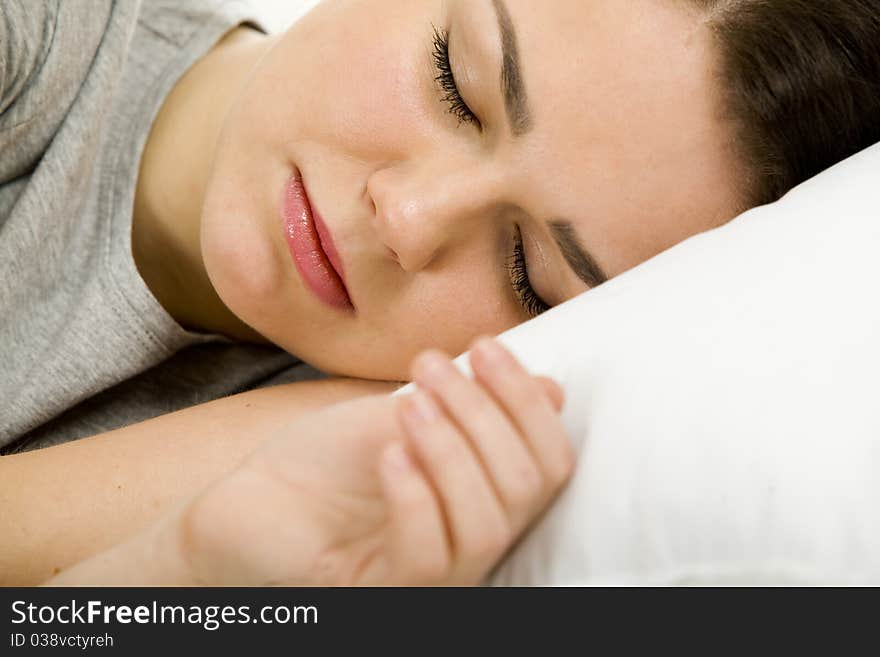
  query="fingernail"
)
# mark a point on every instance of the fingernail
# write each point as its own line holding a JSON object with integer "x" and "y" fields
{"x": 422, "y": 408}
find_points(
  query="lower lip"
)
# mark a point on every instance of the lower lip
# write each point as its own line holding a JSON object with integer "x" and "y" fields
{"x": 312, "y": 258}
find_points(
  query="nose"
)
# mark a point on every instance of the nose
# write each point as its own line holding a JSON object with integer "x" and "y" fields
{"x": 421, "y": 211}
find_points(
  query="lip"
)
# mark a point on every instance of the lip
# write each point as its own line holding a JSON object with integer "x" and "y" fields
{"x": 311, "y": 246}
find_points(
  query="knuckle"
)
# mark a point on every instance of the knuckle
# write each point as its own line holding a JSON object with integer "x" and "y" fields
{"x": 491, "y": 542}
{"x": 445, "y": 451}
{"x": 527, "y": 486}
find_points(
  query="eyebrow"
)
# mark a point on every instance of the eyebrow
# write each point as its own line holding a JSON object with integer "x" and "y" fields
{"x": 512, "y": 86}
{"x": 577, "y": 257}
{"x": 519, "y": 116}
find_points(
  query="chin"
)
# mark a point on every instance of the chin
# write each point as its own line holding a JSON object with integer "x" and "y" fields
{"x": 240, "y": 262}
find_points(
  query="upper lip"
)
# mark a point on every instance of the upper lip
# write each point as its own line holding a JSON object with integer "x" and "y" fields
{"x": 327, "y": 244}
{"x": 326, "y": 239}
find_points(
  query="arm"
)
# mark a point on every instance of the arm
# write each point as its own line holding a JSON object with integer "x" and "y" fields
{"x": 428, "y": 488}
{"x": 61, "y": 504}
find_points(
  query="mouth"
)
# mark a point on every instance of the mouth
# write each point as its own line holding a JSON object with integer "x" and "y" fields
{"x": 311, "y": 247}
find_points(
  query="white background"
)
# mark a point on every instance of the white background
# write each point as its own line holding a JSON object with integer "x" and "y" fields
{"x": 278, "y": 14}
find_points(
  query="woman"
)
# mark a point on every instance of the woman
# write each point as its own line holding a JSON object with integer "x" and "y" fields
{"x": 356, "y": 199}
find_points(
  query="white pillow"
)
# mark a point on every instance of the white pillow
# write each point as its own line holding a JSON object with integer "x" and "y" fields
{"x": 723, "y": 398}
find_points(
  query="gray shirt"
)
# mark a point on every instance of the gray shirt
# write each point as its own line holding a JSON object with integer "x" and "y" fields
{"x": 84, "y": 345}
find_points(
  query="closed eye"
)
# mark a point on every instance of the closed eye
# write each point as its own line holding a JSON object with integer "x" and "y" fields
{"x": 516, "y": 263}
{"x": 519, "y": 279}
{"x": 445, "y": 79}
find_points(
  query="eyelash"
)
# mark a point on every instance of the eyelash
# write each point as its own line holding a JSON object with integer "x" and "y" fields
{"x": 516, "y": 263}
{"x": 445, "y": 78}
{"x": 519, "y": 278}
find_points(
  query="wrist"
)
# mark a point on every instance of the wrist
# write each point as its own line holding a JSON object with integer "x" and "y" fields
{"x": 153, "y": 557}
{"x": 170, "y": 564}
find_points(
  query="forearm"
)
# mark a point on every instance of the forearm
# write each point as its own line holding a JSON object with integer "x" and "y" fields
{"x": 62, "y": 504}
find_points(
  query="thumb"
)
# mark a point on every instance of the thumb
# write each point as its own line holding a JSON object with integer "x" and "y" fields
{"x": 553, "y": 391}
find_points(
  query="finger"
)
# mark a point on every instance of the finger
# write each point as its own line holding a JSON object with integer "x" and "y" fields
{"x": 419, "y": 551}
{"x": 525, "y": 401}
{"x": 554, "y": 392}
{"x": 511, "y": 468}
{"x": 477, "y": 523}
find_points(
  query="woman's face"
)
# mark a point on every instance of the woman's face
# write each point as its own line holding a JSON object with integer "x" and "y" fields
{"x": 594, "y": 123}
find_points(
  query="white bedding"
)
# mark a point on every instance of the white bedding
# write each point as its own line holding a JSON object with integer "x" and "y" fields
{"x": 724, "y": 398}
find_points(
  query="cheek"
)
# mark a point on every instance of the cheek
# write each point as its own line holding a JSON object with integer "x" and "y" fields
{"x": 451, "y": 315}
{"x": 240, "y": 256}
{"x": 351, "y": 78}
{"x": 447, "y": 313}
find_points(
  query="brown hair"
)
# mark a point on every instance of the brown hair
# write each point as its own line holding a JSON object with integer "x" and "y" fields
{"x": 800, "y": 80}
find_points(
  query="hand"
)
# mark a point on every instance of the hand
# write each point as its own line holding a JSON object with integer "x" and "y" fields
{"x": 428, "y": 488}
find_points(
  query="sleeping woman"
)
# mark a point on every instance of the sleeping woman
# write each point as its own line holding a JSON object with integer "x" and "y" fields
{"x": 368, "y": 192}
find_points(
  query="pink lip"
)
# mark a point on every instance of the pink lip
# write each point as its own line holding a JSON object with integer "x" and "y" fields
{"x": 311, "y": 246}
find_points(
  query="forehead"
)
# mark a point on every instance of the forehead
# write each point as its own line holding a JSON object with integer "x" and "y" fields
{"x": 626, "y": 118}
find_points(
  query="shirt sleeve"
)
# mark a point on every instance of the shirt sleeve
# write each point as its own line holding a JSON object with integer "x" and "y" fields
{"x": 46, "y": 51}
{"x": 26, "y": 30}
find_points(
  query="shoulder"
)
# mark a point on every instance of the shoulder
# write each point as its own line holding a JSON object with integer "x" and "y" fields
{"x": 43, "y": 37}
{"x": 47, "y": 48}
{"x": 26, "y": 30}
